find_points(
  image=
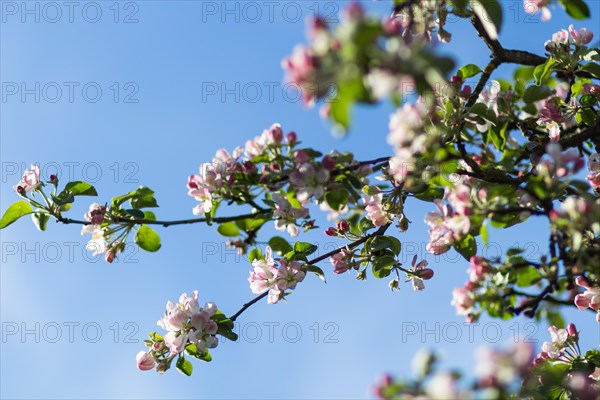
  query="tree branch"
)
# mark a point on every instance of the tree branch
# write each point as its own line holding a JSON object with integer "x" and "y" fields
{"x": 136, "y": 221}
{"x": 352, "y": 245}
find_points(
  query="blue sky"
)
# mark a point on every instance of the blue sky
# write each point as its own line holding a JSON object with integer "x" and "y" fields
{"x": 153, "y": 124}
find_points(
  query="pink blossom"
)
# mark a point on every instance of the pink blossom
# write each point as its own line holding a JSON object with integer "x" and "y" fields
{"x": 580, "y": 37}
{"x": 175, "y": 343}
{"x": 30, "y": 180}
{"x": 419, "y": 273}
{"x": 590, "y": 298}
{"x": 460, "y": 198}
{"x": 95, "y": 214}
{"x": 561, "y": 37}
{"x": 463, "y": 300}
{"x": 535, "y": 6}
{"x": 144, "y": 361}
{"x": 285, "y": 215}
{"x": 478, "y": 269}
{"x": 446, "y": 227}
{"x": 289, "y": 274}
{"x": 594, "y": 170}
{"x": 588, "y": 88}
{"x": 263, "y": 275}
{"x": 301, "y": 70}
{"x": 309, "y": 180}
{"x": 375, "y": 211}
{"x": 343, "y": 261}
{"x": 550, "y": 113}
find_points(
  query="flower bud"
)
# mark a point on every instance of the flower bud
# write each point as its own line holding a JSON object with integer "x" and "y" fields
{"x": 145, "y": 361}
{"x": 426, "y": 274}
{"x": 331, "y": 231}
{"x": 457, "y": 80}
{"x": 329, "y": 162}
{"x": 361, "y": 275}
{"x": 162, "y": 367}
{"x": 109, "y": 257}
{"x": 572, "y": 331}
{"x": 403, "y": 223}
{"x": 343, "y": 226}
{"x": 291, "y": 138}
{"x": 301, "y": 156}
{"x": 54, "y": 179}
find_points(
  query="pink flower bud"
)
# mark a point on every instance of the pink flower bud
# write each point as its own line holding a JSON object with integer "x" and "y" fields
{"x": 331, "y": 231}
{"x": 301, "y": 157}
{"x": 426, "y": 274}
{"x": 291, "y": 138}
{"x": 465, "y": 92}
{"x": 329, "y": 162}
{"x": 144, "y": 361}
{"x": 572, "y": 330}
{"x": 343, "y": 226}
{"x": 456, "y": 80}
{"x": 109, "y": 257}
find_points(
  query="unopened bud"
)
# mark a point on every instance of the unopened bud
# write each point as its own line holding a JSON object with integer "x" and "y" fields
{"x": 331, "y": 231}
{"x": 329, "y": 163}
{"x": 426, "y": 274}
{"x": 343, "y": 226}
{"x": 291, "y": 138}
{"x": 572, "y": 330}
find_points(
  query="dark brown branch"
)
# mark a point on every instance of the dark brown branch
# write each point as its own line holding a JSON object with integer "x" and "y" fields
{"x": 352, "y": 245}
{"x": 135, "y": 221}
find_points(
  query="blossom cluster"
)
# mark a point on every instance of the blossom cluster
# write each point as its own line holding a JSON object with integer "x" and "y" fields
{"x": 463, "y": 298}
{"x": 186, "y": 324}
{"x": 451, "y": 222}
{"x": 266, "y": 275}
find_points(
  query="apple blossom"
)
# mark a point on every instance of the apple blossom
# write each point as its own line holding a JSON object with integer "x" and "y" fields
{"x": 419, "y": 273}
{"x": 343, "y": 261}
{"x": 30, "y": 180}
{"x": 144, "y": 361}
{"x": 285, "y": 215}
{"x": 375, "y": 209}
{"x": 463, "y": 299}
{"x": 535, "y": 6}
{"x": 580, "y": 37}
{"x": 267, "y": 276}
{"x": 594, "y": 170}
{"x": 590, "y": 298}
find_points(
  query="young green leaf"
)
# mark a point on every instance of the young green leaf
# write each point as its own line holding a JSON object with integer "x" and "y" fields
{"x": 228, "y": 229}
{"x": 14, "y": 212}
{"x": 184, "y": 366}
{"x": 147, "y": 239}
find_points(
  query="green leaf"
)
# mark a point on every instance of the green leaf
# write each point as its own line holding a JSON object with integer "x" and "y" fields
{"x": 536, "y": 93}
{"x": 255, "y": 254}
{"x": 144, "y": 197}
{"x": 386, "y": 242}
{"x": 337, "y": 199}
{"x": 317, "y": 271}
{"x": 527, "y": 276}
{"x": 147, "y": 238}
{"x": 469, "y": 71}
{"x": 80, "y": 188}
{"x": 594, "y": 356}
{"x": 466, "y": 247}
{"x": 228, "y": 229}
{"x": 149, "y": 215}
{"x": 382, "y": 266}
{"x": 40, "y": 219}
{"x": 483, "y": 231}
{"x": 497, "y": 134}
{"x": 305, "y": 248}
{"x": 542, "y": 71}
{"x": 139, "y": 214}
{"x": 279, "y": 245}
{"x": 489, "y": 13}
{"x": 587, "y": 116}
{"x": 184, "y": 366}
{"x": 291, "y": 196}
{"x": 14, "y": 212}
{"x": 593, "y": 68}
{"x": 576, "y": 8}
